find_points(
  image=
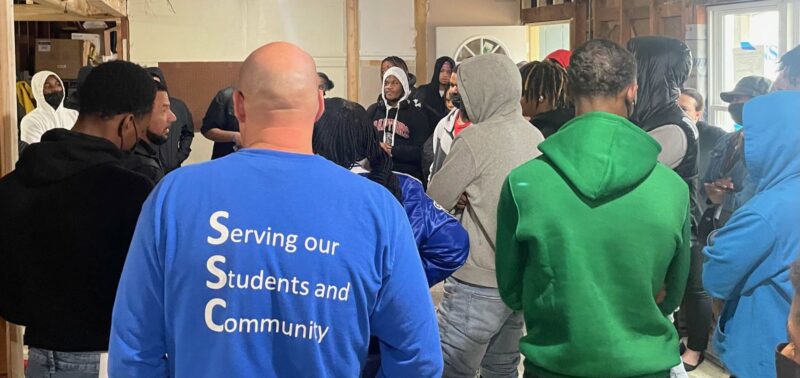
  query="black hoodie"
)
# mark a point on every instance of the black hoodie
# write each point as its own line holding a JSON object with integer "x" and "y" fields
{"x": 663, "y": 65}
{"x": 68, "y": 215}
{"x": 412, "y": 133}
{"x": 181, "y": 133}
{"x": 428, "y": 95}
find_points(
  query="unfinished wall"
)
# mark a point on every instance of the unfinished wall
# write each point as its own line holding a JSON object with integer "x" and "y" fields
{"x": 227, "y": 31}
{"x": 466, "y": 13}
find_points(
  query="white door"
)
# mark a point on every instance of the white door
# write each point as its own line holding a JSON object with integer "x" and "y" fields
{"x": 747, "y": 39}
{"x": 461, "y": 43}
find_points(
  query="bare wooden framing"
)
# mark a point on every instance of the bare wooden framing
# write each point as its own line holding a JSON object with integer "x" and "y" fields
{"x": 70, "y": 10}
{"x": 577, "y": 13}
{"x": 421, "y": 40}
{"x": 10, "y": 335}
{"x": 353, "y": 50}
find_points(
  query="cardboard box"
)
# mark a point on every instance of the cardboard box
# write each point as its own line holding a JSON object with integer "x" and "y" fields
{"x": 62, "y": 56}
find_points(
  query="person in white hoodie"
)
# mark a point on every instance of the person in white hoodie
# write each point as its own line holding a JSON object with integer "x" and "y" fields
{"x": 50, "y": 113}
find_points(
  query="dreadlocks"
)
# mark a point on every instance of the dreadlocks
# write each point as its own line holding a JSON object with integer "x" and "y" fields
{"x": 345, "y": 136}
{"x": 545, "y": 81}
{"x": 396, "y": 61}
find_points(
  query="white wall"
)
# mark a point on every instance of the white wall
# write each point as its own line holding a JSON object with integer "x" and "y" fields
{"x": 228, "y": 30}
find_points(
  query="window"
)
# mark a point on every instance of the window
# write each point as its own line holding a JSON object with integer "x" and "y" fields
{"x": 479, "y": 46}
{"x": 747, "y": 39}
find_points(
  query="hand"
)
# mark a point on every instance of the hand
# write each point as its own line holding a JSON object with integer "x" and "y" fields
{"x": 661, "y": 295}
{"x": 386, "y": 148}
{"x": 463, "y": 201}
{"x": 717, "y": 190}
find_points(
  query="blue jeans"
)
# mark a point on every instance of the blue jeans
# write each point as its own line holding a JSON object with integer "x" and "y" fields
{"x": 43, "y": 363}
{"x": 480, "y": 334}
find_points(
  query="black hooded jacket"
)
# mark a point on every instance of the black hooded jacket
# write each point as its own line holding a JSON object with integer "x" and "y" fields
{"x": 181, "y": 133}
{"x": 220, "y": 115}
{"x": 663, "y": 66}
{"x": 428, "y": 96}
{"x": 412, "y": 133}
{"x": 68, "y": 215}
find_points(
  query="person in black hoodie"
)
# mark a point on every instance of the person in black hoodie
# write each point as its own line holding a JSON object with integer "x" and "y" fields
{"x": 544, "y": 96}
{"x": 431, "y": 95}
{"x": 69, "y": 211}
{"x": 403, "y": 127}
{"x": 178, "y": 146}
{"x": 663, "y": 66}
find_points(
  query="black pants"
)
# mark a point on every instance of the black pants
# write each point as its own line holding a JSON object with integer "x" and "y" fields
{"x": 696, "y": 307}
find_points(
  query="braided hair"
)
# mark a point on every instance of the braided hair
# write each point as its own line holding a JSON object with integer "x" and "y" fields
{"x": 545, "y": 81}
{"x": 345, "y": 136}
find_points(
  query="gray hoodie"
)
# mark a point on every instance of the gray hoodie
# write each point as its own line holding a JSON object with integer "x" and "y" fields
{"x": 482, "y": 155}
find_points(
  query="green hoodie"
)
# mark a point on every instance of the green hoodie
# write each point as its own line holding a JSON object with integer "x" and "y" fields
{"x": 587, "y": 235}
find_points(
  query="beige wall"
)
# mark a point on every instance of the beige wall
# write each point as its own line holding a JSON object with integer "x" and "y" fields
{"x": 466, "y": 13}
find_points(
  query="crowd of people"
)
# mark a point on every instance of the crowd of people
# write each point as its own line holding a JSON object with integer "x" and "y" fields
{"x": 578, "y": 210}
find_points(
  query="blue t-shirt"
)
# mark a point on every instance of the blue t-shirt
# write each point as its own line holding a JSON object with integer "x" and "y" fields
{"x": 266, "y": 263}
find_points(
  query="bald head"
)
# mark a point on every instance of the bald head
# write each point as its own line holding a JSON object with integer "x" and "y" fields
{"x": 277, "y": 88}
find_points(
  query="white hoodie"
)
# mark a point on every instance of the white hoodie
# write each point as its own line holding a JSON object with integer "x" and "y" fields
{"x": 44, "y": 117}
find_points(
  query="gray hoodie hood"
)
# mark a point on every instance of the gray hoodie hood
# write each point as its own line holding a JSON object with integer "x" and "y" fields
{"x": 490, "y": 86}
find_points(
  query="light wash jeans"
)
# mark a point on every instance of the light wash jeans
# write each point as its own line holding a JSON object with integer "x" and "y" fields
{"x": 480, "y": 334}
{"x": 44, "y": 363}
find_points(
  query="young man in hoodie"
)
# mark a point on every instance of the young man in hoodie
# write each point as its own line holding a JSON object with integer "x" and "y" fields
{"x": 178, "y": 146}
{"x": 69, "y": 212}
{"x": 479, "y": 332}
{"x": 589, "y": 233}
{"x": 278, "y": 280}
{"x": 432, "y": 95}
{"x": 747, "y": 261}
{"x": 403, "y": 127}
{"x": 448, "y": 128}
{"x": 144, "y": 157}
{"x": 50, "y": 112}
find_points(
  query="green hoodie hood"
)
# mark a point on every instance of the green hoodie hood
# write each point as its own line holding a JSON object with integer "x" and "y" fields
{"x": 601, "y": 154}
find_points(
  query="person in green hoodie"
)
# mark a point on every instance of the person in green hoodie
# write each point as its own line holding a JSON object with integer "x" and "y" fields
{"x": 593, "y": 236}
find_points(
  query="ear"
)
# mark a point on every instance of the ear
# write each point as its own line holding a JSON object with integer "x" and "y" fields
{"x": 631, "y": 93}
{"x": 238, "y": 106}
{"x": 321, "y": 106}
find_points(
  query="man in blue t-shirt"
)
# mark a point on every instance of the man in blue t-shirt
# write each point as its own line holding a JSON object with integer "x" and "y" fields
{"x": 278, "y": 279}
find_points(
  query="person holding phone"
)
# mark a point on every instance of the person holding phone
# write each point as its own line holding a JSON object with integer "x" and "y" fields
{"x": 402, "y": 126}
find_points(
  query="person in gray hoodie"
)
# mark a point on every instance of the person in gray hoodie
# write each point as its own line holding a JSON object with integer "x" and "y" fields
{"x": 479, "y": 332}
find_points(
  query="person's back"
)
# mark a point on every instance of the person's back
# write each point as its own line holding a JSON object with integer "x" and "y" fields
{"x": 588, "y": 234}
{"x": 279, "y": 279}
{"x": 69, "y": 212}
{"x": 747, "y": 262}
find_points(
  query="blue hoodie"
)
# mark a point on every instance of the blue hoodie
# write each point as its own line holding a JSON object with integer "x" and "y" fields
{"x": 280, "y": 265}
{"x": 747, "y": 263}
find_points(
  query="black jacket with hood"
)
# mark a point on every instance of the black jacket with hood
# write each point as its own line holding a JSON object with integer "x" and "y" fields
{"x": 220, "y": 115}
{"x": 181, "y": 133}
{"x": 68, "y": 215}
{"x": 664, "y": 64}
{"x": 410, "y": 134}
{"x": 428, "y": 96}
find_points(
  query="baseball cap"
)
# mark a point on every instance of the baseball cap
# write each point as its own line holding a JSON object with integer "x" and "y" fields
{"x": 751, "y": 86}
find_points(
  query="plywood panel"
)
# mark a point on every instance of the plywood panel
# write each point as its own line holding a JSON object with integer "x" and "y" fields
{"x": 196, "y": 83}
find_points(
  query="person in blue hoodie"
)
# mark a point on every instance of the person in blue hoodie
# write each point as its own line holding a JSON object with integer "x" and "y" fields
{"x": 747, "y": 261}
{"x": 289, "y": 277}
{"x": 345, "y": 136}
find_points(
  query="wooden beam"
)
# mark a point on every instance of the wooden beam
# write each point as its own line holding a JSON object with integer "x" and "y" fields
{"x": 116, "y": 8}
{"x": 88, "y": 8}
{"x": 353, "y": 50}
{"x": 10, "y": 335}
{"x": 421, "y": 40}
{"x": 560, "y": 12}
{"x": 37, "y": 12}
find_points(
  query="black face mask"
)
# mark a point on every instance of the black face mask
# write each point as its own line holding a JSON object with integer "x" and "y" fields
{"x": 54, "y": 99}
{"x": 736, "y": 111}
{"x": 458, "y": 102}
